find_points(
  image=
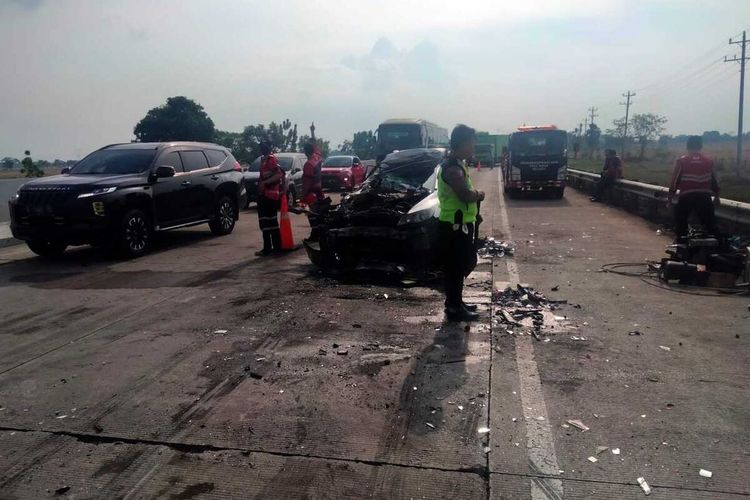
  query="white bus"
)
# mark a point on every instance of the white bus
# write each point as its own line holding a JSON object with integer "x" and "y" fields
{"x": 400, "y": 134}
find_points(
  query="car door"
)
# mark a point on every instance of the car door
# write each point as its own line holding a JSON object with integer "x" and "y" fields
{"x": 197, "y": 192}
{"x": 167, "y": 192}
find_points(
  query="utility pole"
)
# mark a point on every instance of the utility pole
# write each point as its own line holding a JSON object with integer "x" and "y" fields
{"x": 593, "y": 110}
{"x": 627, "y": 113}
{"x": 741, "y": 60}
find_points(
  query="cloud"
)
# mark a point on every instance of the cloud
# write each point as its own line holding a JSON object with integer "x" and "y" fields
{"x": 385, "y": 67}
{"x": 25, "y": 4}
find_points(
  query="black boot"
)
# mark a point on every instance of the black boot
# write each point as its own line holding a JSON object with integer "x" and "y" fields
{"x": 456, "y": 314}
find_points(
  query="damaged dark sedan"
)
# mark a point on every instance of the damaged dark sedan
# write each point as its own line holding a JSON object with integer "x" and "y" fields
{"x": 390, "y": 223}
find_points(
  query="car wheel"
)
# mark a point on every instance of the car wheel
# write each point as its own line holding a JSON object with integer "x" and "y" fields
{"x": 135, "y": 233}
{"x": 223, "y": 222}
{"x": 47, "y": 248}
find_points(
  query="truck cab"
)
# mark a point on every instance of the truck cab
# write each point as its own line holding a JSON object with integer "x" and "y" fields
{"x": 537, "y": 161}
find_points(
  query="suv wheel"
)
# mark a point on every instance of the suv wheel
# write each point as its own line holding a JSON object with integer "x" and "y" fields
{"x": 135, "y": 233}
{"x": 46, "y": 248}
{"x": 223, "y": 222}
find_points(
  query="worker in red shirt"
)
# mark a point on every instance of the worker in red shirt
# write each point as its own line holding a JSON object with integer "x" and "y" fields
{"x": 312, "y": 185}
{"x": 694, "y": 178}
{"x": 610, "y": 173}
{"x": 269, "y": 195}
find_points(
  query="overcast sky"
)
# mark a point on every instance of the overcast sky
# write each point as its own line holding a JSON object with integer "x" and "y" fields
{"x": 78, "y": 74}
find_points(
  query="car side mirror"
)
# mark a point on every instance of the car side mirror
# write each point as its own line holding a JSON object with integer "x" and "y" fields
{"x": 65, "y": 170}
{"x": 164, "y": 171}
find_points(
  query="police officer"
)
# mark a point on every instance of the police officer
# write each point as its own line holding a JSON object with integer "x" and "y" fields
{"x": 458, "y": 215}
{"x": 694, "y": 178}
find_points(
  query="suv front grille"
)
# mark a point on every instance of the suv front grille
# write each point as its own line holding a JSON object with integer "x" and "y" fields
{"x": 44, "y": 201}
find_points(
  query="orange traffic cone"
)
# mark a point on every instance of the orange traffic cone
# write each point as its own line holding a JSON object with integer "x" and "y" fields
{"x": 285, "y": 226}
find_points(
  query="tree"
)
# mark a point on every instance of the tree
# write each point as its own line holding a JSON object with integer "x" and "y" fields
{"x": 283, "y": 136}
{"x": 363, "y": 144}
{"x": 180, "y": 119}
{"x": 325, "y": 146}
{"x": 592, "y": 138}
{"x": 9, "y": 163}
{"x": 345, "y": 148}
{"x": 29, "y": 168}
{"x": 647, "y": 127}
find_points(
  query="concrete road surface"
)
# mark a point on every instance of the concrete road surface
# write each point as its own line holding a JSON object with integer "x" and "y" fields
{"x": 201, "y": 371}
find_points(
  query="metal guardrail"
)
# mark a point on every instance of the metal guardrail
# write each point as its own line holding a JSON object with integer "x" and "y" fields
{"x": 650, "y": 201}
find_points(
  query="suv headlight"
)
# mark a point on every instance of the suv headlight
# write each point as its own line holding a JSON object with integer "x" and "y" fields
{"x": 97, "y": 192}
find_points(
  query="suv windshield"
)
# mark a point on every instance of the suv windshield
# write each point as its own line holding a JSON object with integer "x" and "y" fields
{"x": 285, "y": 162}
{"x": 338, "y": 162}
{"x": 541, "y": 143}
{"x": 115, "y": 162}
{"x": 409, "y": 176}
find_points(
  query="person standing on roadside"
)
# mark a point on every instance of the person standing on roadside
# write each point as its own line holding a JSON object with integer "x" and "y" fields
{"x": 610, "y": 173}
{"x": 458, "y": 215}
{"x": 312, "y": 184}
{"x": 694, "y": 177}
{"x": 269, "y": 196}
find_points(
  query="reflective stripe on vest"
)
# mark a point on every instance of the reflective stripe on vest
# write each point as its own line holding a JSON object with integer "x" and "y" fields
{"x": 450, "y": 203}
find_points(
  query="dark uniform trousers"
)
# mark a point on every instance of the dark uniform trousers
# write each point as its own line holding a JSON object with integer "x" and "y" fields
{"x": 458, "y": 257}
{"x": 268, "y": 220}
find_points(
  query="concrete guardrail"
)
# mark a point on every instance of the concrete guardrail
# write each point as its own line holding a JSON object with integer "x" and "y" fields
{"x": 650, "y": 201}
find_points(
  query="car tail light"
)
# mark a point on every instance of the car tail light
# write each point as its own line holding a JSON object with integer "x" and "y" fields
{"x": 237, "y": 166}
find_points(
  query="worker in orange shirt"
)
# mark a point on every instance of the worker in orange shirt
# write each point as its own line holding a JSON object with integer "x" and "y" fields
{"x": 312, "y": 185}
{"x": 269, "y": 196}
{"x": 694, "y": 177}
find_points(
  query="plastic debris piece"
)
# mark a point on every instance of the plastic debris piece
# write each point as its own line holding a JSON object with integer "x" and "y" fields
{"x": 615, "y": 451}
{"x": 578, "y": 425}
{"x": 487, "y": 449}
{"x": 429, "y": 425}
{"x": 705, "y": 473}
{"x": 644, "y": 486}
{"x": 460, "y": 407}
{"x": 483, "y": 430}
{"x": 61, "y": 417}
{"x": 221, "y": 331}
{"x": 601, "y": 449}
{"x": 665, "y": 348}
{"x": 593, "y": 460}
{"x": 514, "y": 419}
{"x": 385, "y": 296}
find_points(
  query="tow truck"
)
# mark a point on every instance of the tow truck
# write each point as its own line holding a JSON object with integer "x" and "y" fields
{"x": 537, "y": 161}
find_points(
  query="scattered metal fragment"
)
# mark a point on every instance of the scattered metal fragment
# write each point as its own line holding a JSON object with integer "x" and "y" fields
{"x": 593, "y": 460}
{"x": 483, "y": 430}
{"x": 494, "y": 248}
{"x": 342, "y": 352}
{"x": 429, "y": 425}
{"x": 601, "y": 449}
{"x": 615, "y": 451}
{"x": 665, "y": 348}
{"x": 634, "y": 332}
{"x": 705, "y": 473}
{"x": 221, "y": 331}
{"x": 644, "y": 486}
{"x": 487, "y": 449}
{"x": 578, "y": 425}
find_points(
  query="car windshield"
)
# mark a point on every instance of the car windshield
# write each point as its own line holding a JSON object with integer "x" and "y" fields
{"x": 285, "y": 162}
{"x": 338, "y": 162}
{"x": 115, "y": 162}
{"x": 408, "y": 176}
{"x": 540, "y": 143}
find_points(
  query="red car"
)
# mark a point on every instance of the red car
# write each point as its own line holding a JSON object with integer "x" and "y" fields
{"x": 342, "y": 172}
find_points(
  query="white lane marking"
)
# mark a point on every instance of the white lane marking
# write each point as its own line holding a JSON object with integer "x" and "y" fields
{"x": 540, "y": 444}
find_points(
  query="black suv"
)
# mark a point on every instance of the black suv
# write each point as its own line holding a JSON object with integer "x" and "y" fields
{"x": 121, "y": 194}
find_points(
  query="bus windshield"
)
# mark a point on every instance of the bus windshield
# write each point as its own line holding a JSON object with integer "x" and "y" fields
{"x": 538, "y": 143}
{"x": 397, "y": 137}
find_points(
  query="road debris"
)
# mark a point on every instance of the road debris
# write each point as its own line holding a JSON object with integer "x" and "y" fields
{"x": 578, "y": 425}
{"x": 62, "y": 491}
{"x": 483, "y": 430}
{"x": 665, "y": 348}
{"x": 221, "y": 332}
{"x": 601, "y": 449}
{"x": 491, "y": 247}
{"x": 342, "y": 352}
{"x": 615, "y": 451}
{"x": 593, "y": 460}
{"x": 487, "y": 449}
{"x": 644, "y": 486}
{"x": 429, "y": 425}
{"x": 705, "y": 473}
{"x": 634, "y": 332}
{"x": 322, "y": 352}
{"x": 524, "y": 311}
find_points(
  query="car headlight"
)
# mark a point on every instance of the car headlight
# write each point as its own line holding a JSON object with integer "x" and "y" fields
{"x": 416, "y": 217}
{"x": 97, "y": 192}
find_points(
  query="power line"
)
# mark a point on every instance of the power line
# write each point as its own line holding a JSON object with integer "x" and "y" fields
{"x": 741, "y": 60}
